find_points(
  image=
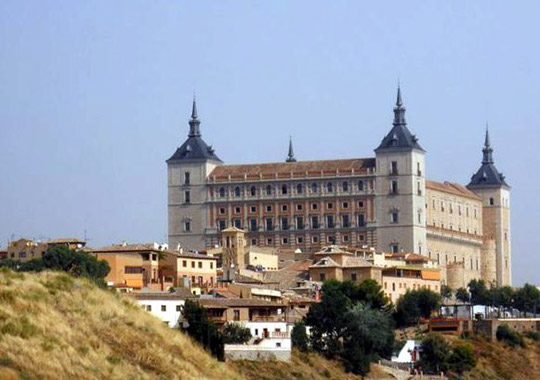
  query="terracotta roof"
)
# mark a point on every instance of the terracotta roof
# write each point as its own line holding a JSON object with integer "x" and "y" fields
{"x": 128, "y": 248}
{"x": 298, "y": 169}
{"x": 355, "y": 262}
{"x": 289, "y": 275}
{"x": 451, "y": 188}
{"x": 179, "y": 294}
{"x": 65, "y": 240}
{"x": 326, "y": 262}
{"x": 224, "y": 303}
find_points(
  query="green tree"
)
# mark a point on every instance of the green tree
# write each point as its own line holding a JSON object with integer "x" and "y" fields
{"x": 200, "y": 328}
{"x": 234, "y": 333}
{"x": 527, "y": 299}
{"x": 369, "y": 336}
{"x": 416, "y": 304}
{"x": 446, "y": 291}
{"x": 434, "y": 354}
{"x": 299, "y": 336}
{"x": 462, "y": 358}
{"x": 479, "y": 293}
{"x": 462, "y": 295}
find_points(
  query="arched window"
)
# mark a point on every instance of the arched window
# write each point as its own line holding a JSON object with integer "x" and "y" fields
{"x": 284, "y": 189}
{"x": 221, "y": 192}
{"x": 345, "y": 186}
{"x": 314, "y": 188}
{"x": 236, "y": 191}
{"x": 360, "y": 185}
{"x": 299, "y": 188}
{"x": 253, "y": 191}
{"x": 268, "y": 190}
{"x": 329, "y": 187}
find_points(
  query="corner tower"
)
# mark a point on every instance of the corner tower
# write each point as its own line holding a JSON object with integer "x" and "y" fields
{"x": 491, "y": 186}
{"x": 400, "y": 188}
{"x": 188, "y": 170}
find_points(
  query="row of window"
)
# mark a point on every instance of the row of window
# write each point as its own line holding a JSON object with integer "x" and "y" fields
{"x": 472, "y": 264}
{"x": 197, "y": 264}
{"x": 451, "y": 208}
{"x": 313, "y": 239}
{"x": 179, "y": 308}
{"x": 284, "y": 189}
{"x": 406, "y": 286}
{"x": 285, "y": 207}
{"x": 298, "y": 222}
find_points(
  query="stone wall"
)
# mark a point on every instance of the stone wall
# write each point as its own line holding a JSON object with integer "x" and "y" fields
{"x": 488, "y": 327}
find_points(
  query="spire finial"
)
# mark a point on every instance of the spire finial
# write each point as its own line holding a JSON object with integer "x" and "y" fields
{"x": 194, "y": 123}
{"x": 290, "y": 156}
{"x": 399, "y": 103}
{"x": 399, "y": 110}
{"x": 488, "y": 150}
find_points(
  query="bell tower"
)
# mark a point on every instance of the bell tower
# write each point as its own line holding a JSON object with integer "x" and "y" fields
{"x": 400, "y": 188}
{"x": 492, "y": 187}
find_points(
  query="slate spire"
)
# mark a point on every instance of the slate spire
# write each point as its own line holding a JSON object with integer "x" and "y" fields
{"x": 488, "y": 150}
{"x": 194, "y": 123}
{"x": 399, "y": 110}
{"x": 290, "y": 156}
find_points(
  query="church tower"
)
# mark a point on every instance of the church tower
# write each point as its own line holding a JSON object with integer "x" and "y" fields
{"x": 491, "y": 186}
{"x": 188, "y": 169}
{"x": 400, "y": 188}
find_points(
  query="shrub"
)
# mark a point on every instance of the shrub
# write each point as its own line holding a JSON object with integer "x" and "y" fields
{"x": 462, "y": 358}
{"x": 534, "y": 335}
{"x": 414, "y": 305}
{"x": 434, "y": 354}
{"x": 299, "y": 336}
{"x": 235, "y": 333}
{"x": 505, "y": 333}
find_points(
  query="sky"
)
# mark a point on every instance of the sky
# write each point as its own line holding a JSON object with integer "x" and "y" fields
{"x": 96, "y": 95}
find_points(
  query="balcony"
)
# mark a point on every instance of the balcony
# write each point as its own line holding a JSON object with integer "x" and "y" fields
{"x": 266, "y": 318}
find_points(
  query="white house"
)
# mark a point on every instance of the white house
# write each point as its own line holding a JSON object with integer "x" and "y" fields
{"x": 167, "y": 307}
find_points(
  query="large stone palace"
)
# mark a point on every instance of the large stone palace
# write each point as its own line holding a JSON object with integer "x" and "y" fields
{"x": 384, "y": 202}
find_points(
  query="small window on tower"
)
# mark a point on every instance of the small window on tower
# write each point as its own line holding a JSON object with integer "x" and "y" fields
{"x": 393, "y": 168}
{"x": 187, "y": 196}
{"x": 186, "y": 178}
{"x": 491, "y": 201}
{"x": 187, "y": 226}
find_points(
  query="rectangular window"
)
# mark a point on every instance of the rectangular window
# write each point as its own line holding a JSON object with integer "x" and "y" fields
{"x": 253, "y": 209}
{"x": 237, "y": 210}
{"x": 187, "y": 226}
{"x": 314, "y": 239}
{"x": 133, "y": 270}
{"x": 253, "y": 224}
{"x": 238, "y": 223}
{"x": 163, "y": 307}
{"x": 361, "y": 220}
{"x": 394, "y": 187}
{"x": 187, "y": 196}
{"x": 149, "y": 308}
{"x": 299, "y": 239}
{"x": 211, "y": 265}
{"x": 395, "y": 248}
{"x": 200, "y": 264}
{"x": 345, "y": 205}
{"x": 222, "y": 211}
{"x": 314, "y": 206}
{"x": 186, "y": 178}
{"x": 222, "y": 225}
{"x": 361, "y": 204}
{"x": 184, "y": 263}
{"x": 285, "y": 240}
{"x": 345, "y": 221}
{"x": 354, "y": 277}
{"x": 269, "y": 224}
{"x": 330, "y": 221}
{"x": 284, "y": 207}
{"x": 322, "y": 277}
{"x": 193, "y": 265}
{"x": 178, "y": 308}
{"x": 418, "y": 170}
{"x": 393, "y": 168}
{"x": 314, "y": 222}
{"x": 299, "y": 223}
{"x": 284, "y": 223}
{"x": 394, "y": 217}
{"x": 329, "y": 205}
{"x": 236, "y": 316}
{"x": 299, "y": 207}
{"x": 269, "y": 241}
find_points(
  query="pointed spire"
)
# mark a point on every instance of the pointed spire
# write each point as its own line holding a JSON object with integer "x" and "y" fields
{"x": 194, "y": 123}
{"x": 487, "y": 151}
{"x": 290, "y": 156}
{"x": 399, "y": 110}
{"x": 194, "y": 108}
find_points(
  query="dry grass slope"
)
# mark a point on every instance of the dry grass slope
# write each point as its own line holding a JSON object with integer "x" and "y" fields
{"x": 53, "y": 326}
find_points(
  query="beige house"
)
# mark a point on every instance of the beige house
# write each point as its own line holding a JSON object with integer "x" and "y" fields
{"x": 189, "y": 269}
{"x": 27, "y": 249}
{"x": 336, "y": 263}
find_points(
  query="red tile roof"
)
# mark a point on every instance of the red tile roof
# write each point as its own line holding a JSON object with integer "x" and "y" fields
{"x": 451, "y": 188}
{"x": 292, "y": 169}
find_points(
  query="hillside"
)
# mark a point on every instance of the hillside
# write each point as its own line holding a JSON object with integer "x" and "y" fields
{"x": 53, "y": 326}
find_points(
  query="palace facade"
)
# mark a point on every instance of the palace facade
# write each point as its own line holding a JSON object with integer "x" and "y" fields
{"x": 384, "y": 202}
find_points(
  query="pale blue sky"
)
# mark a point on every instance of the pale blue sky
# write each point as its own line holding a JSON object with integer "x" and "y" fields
{"x": 95, "y": 96}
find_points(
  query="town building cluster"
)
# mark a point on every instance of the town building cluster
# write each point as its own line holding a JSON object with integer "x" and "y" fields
{"x": 254, "y": 243}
